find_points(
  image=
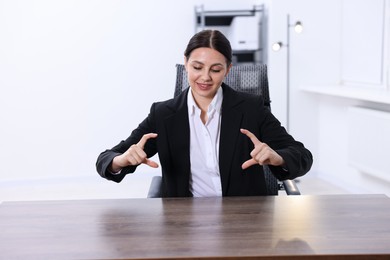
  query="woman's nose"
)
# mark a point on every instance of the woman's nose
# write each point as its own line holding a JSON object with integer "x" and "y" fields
{"x": 206, "y": 76}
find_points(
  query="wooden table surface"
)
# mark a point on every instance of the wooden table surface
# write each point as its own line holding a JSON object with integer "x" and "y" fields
{"x": 283, "y": 227}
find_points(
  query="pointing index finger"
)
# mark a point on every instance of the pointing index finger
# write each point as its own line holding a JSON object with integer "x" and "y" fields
{"x": 251, "y": 136}
{"x": 145, "y": 138}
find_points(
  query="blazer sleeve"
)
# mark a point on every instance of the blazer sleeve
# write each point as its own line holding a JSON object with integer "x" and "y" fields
{"x": 104, "y": 160}
{"x": 297, "y": 157}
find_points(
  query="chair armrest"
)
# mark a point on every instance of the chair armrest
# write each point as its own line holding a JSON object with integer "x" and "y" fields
{"x": 291, "y": 187}
{"x": 155, "y": 187}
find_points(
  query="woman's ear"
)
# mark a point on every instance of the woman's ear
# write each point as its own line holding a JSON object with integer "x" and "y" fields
{"x": 185, "y": 62}
{"x": 228, "y": 69}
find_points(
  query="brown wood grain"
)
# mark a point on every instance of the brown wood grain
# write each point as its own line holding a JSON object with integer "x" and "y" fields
{"x": 284, "y": 227}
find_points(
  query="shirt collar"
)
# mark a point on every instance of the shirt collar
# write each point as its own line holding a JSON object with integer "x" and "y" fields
{"x": 215, "y": 104}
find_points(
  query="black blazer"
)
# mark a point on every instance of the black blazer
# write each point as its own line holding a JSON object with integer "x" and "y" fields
{"x": 169, "y": 119}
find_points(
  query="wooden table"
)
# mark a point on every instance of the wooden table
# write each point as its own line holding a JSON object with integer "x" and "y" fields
{"x": 284, "y": 227}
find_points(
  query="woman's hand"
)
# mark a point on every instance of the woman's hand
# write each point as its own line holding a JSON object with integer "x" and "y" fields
{"x": 135, "y": 155}
{"x": 262, "y": 154}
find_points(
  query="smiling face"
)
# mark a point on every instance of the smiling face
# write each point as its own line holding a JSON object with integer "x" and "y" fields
{"x": 206, "y": 69}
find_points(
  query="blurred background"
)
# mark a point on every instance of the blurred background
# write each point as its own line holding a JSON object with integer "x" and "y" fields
{"x": 76, "y": 77}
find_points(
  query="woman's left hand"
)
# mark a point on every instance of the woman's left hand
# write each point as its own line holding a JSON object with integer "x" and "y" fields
{"x": 262, "y": 154}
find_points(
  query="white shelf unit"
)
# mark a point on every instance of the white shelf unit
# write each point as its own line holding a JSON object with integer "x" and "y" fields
{"x": 245, "y": 30}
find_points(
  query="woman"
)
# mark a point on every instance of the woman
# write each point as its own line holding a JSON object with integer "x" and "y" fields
{"x": 211, "y": 140}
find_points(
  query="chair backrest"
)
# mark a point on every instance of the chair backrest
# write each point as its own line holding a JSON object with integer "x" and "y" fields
{"x": 244, "y": 78}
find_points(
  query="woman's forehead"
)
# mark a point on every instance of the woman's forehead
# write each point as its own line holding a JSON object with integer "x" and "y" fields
{"x": 207, "y": 56}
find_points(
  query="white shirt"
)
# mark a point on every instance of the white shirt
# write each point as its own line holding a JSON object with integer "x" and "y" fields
{"x": 205, "y": 180}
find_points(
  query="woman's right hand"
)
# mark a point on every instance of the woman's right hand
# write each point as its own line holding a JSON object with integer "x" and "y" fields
{"x": 135, "y": 155}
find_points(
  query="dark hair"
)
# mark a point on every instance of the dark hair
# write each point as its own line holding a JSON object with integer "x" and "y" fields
{"x": 213, "y": 39}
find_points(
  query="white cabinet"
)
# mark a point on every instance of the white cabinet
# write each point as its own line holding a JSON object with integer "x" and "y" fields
{"x": 364, "y": 42}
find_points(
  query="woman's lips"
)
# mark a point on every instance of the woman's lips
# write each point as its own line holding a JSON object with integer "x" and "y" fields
{"x": 204, "y": 86}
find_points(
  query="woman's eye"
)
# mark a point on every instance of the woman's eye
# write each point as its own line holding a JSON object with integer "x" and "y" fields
{"x": 197, "y": 68}
{"x": 215, "y": 71}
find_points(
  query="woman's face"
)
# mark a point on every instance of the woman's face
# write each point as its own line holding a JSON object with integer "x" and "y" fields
{"x": 206, "y": 69}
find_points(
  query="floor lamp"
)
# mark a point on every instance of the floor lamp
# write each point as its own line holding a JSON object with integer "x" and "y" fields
{"x": 298, "y": 27}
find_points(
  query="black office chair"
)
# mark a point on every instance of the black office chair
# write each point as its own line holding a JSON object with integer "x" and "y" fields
{"x": 245, "y": 78}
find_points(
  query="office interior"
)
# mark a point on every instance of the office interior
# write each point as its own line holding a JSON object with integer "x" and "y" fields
{"x": 77, "y": 76}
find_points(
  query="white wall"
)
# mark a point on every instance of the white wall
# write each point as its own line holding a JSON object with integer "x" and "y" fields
{"x": 318, "y": 59}
{"x": 313, "y": 59}
{"x": 77, "y": 75}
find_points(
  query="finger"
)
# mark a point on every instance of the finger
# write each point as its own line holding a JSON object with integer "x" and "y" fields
{"x": 251, "y": 136}
{"x": 145, "y": 138}
{"x": 138, "y": 153}
{"x": 270, "y": 158}
{"x": 248, "y": 163}
{"x": 151, "y": 163}
{"x": 263, "y": 155}
{"x": 134, "y": 160}
{"x": 263, "y": 159}
{"x": 135, "y": 154}
{"x": 260, "y": 149}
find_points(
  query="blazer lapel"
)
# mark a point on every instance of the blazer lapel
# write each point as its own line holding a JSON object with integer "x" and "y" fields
{"x": 178, "y": 130}
{"x": 230, "y": 130}
{"x": 177, "y": 127}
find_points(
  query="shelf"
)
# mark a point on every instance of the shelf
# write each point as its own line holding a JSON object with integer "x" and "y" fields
{"x": 223, "y": 17}
{"x": 352, "y": 92}
{"x": 219, "y": 18}
{"x": 243, "y": 28}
